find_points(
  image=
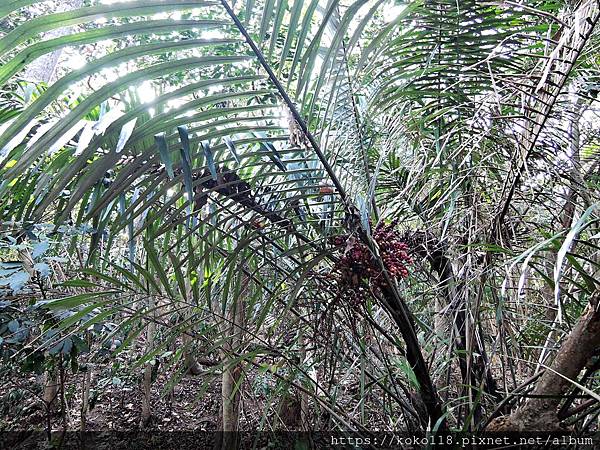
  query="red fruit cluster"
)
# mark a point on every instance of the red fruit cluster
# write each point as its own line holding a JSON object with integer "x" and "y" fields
{"x": 393, "y": 250}
{"x": 358, "y": 268}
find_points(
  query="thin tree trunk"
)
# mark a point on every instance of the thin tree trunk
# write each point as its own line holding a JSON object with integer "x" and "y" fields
{"x": 567, "y": 214}
{"x": 192, "y": 366}
{"x": 433, "y": 408}
{"x": 43, "y": 69}
{"x": 232, "y": 370}
{"x": 474, "y": 372}
{"x": 304, "y": 413}
{"x": 51, "y": 387}
{"x": 231, "y": 379}
{"x": 231, "y": 402}
{"x": 85, "y": 397}
{"x": 50, "y": 378}
{"x": 147, "y": 380}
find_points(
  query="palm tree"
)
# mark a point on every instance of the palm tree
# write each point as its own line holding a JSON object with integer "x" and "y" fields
{"x": 211, "y": 152}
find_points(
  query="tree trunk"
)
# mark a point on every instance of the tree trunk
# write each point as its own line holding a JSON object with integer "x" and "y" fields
{"x": 403, "y": 318}
{"x": 51, "y": 387}
{"x": 192, "y": 366}
{"x": 231, "y": 406}
{"x": 474, "y": 371}
{"x": 567, "y": 214}
{"x": 232, "y": 370}
{"x": 542, "y": 413}
{"x": 147, "y": 380}
{"x": 304, "y": 413}
{"x": 43, "y": 69}
{"x": 85, "y": 397}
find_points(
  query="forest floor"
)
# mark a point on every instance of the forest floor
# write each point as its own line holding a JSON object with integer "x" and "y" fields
{"x": 115, "y": 405}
